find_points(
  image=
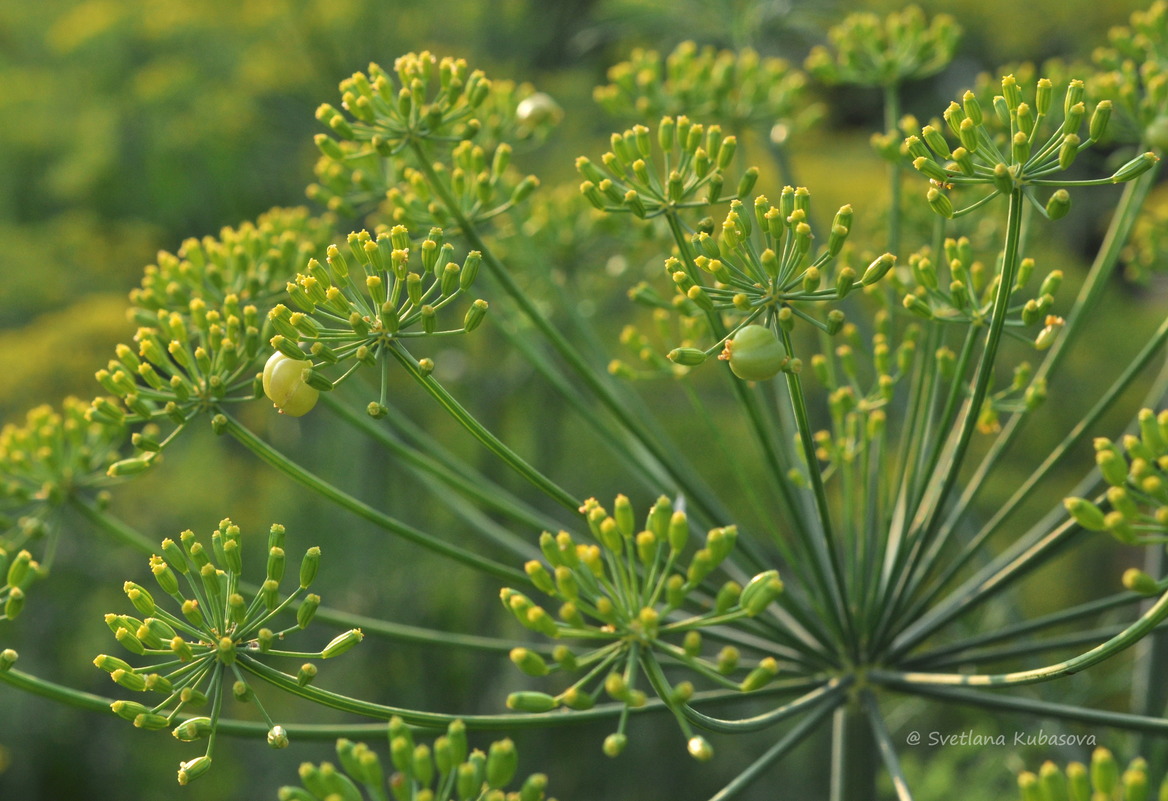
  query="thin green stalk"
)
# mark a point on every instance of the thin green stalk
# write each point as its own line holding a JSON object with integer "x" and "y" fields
{"x": 932, "y": 506}
{"x": 115, "y": 528}
{"x": 1147, "y": 693}
{"x": 1122, "y": 222}
{"x": 1125, "y": 639}
{"x": 884, "y": 744}
{"x": 777, "y": 751}
{"x": 766, "y": 719}
{"x": 473, "y": 485}
{"x": 1137, "y": 366}
{"x": 891, "y": 123}
{"x": 476, "y": 429}
{"x": 823, "y": 547}
{"x": 1034, "y": 707}
{"x": 1027, "y": 648}
{"x": 1027, "y": 627}
{"x": 363, "y": 510}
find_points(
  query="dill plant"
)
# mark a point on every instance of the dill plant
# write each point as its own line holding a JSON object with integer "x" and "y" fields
{"x": 879, "y": 375}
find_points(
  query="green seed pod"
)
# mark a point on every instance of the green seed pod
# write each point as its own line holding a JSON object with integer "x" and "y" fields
{"x": 529, "y": 662}
{"x": 700, "y": 749}
{"x": 530, "y": 701}
{"x": 307, "y": 610}
{"x": 192, "y": 729}
{"x": 614, "y": 744}
{"x": 1085, "y": 513}
{"x": 1137, "y": 580}
{"x": 1104, "y": 772}
{"x": 755, "y": 353}
{"x": 758, "y": 678}
{"x": 309, "y": 567}
{"x": 502, "y": 762}
{"x": 1058, "y": 205}
{"x": 760, "y": 591}
{"x": 342, "y": 643}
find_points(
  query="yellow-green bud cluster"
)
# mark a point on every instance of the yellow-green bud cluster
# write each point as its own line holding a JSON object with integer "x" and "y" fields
{"x": 682, "y": 165}
{"x": 630, "y": 598}
{"x": 867, "y": 50}
{"x": 763, "y": 261}
{"x": 481, "y": 185}
{"x": 251, "y": 262}
{"x": 56, "y": 455}
{"x": 184, "y": 364}
{"x": 962, "y": 290}
{"x": 444, "y": 771}
{"x": 1102, "y": 779}
{"x": 1003, "y": 149}
{"x": 192, "y": 652}
{"x": 351, "y": 309}
{"x": 1134, "y": 508}
{"x": 1134, "y": 76}
{"x": 737, "y": 88}
{"x": 857, "y": 395}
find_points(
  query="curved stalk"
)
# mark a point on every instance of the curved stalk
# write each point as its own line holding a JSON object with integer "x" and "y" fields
{"x": 363, "y": 510}
{"x": 476, "y": 429}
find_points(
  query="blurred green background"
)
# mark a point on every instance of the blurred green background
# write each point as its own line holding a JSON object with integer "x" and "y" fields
{"x": 129, "y": 125}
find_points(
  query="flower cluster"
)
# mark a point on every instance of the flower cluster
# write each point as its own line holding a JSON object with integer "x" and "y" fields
{"x": 1134, "y": 76}
{"x": 628, "y": 599}
{"x": 359, "y": 313}
{"x": 884, "y": 51}
{"x": 55, "y": 457}
{"x": 764, "y": 272}
{"x": 738, "y": 88}
{"x": 689, "y": 174}
{"x": 1137, "y": 492}
{"x": 964, "y": 292}
{"x": 436, "y": 102}
{"x": 444, "y": 772}
{"x": 1100, "y": 780}
{"x": 215, "y": 639}
{"x": 1011, "y": 154}
{"x": 251, "y": 263}
{"x": 184, "y": 365}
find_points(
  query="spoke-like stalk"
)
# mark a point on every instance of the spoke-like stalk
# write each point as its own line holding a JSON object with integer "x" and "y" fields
{"x": 983, "y": 699}
{"x": 1122, "y": 223}
{"x": 363, "y": 510}
{"x": 884, "y": 744}
{"x": 1125, "y": 639}
{"x": 766, "y": 719}
{"x": 776, "y": 752}
{"x": 476, "y": 429}
{"x": 928, "y": 514}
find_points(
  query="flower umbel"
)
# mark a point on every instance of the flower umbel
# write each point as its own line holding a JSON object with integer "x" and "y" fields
{"x": 217, "y": 636}
{"x": 629, "y": 601}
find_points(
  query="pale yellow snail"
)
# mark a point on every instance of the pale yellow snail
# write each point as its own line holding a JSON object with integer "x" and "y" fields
{"x": 285, "y": 386}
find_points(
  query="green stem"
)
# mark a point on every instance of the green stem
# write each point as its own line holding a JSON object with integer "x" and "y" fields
{"x": 1120, "y": 228}
{"x": 884, "y": 744}
{"x": 776, "y": 752}
{"x": 294, "y": 471}
{"x": 932, "y": 506}
{"x": 758, "y": 722}
{"x": 824, "y": 546}
{"x": 1125, "y": 639}
{"x": 1141, "y": 361}
{"x": 463, "y": 479}
{"x": 853, "y": 765}
{"x": 476, "y": 429}
{"x": 1019, "y": 629}
{"x": 593, "y": 377}
{"x": 1034, "y": 707}
{"x": 115, "y": 528}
